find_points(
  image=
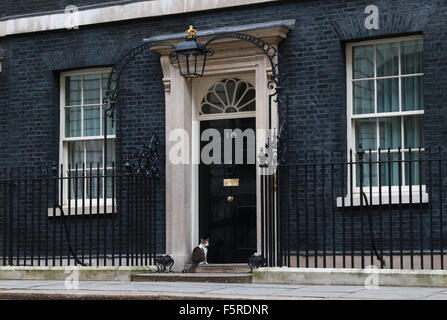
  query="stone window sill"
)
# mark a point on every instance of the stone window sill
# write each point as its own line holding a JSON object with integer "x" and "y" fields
{"x": 416, "y": 198}
{"x": 79, "y": 211}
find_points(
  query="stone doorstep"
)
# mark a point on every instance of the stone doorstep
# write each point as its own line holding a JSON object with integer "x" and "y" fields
{"x": 211, "y": 273}
{"x": 222, "y": 268}
{"x": 332, "y": 276}
{"x": 84, "y": 273}
{"x": 194, "y": 277}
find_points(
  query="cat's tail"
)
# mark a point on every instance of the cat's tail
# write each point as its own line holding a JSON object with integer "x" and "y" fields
{"x": 191, "y": 269}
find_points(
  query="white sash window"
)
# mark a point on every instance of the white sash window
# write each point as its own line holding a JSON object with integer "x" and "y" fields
{"x": 385, "y": 106}
{"x": 82, "y": 132}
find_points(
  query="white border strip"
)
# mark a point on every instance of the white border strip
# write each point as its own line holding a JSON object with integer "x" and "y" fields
{"x": 136, "y": 10}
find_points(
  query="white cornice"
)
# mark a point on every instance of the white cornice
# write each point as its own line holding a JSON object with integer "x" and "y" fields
{"x": 271, "y": 31}
{"x": 136, "y": 10}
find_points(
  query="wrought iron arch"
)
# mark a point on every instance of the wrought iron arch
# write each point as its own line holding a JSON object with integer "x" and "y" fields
{"x": 113, "y": 83}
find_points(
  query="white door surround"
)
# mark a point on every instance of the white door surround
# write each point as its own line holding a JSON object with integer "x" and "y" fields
{"x": 232, "y": 58}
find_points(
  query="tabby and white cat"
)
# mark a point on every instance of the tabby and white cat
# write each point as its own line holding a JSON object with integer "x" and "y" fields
{"x": 199, "y": 255}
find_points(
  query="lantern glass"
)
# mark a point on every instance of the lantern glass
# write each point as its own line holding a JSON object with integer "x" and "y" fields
{"x": 200, "y": 63}
{"x": 183, "y": 63}
{"x": 191, "y": 63}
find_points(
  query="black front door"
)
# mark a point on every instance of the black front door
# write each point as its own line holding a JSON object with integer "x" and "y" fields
{"x": 227, "y": 192}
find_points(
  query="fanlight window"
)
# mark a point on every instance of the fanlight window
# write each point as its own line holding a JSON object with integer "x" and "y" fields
{"x": 229, "y": 95}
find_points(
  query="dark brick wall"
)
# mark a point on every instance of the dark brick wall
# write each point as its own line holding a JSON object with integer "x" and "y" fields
{"x": 312, "y": 57}
{"x": 4, "y": 125}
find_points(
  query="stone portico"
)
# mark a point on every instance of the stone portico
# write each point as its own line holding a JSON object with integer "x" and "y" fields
{"x": 231, "y": 56}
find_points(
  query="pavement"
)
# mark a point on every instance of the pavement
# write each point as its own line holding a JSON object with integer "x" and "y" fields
{"x": 93, "y": 290}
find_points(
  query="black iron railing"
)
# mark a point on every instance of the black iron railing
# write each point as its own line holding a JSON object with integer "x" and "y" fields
{"x": 78, "y": 216}
{"x": 355, "y": 209}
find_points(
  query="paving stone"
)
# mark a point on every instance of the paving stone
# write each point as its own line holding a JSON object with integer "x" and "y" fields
{"x": 332, "y": 288}
{"x": 260, "y": 285}
{"x": 180, "y": 285}
{"x": 436, "y": 297}
{"x": 210, "y": 290}
{"x": 252, "y": 291}
{"x": 13, "y": 284}
{"x": 316, "y": 294}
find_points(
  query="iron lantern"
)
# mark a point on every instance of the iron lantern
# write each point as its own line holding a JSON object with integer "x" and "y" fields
{"x": 190, "y": 55}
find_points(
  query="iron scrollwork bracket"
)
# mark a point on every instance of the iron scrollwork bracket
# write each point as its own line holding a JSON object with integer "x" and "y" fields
{"x": 145, "y": 160}
{"x": 163, "y": 263}
{"x": 282, "y": 143}
{"x": 275, "y": 150}
{"x": 264, "y": 155}
{"x": 256, "y": 261}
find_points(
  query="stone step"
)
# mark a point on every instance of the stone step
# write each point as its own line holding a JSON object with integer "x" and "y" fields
{"x": 193, "y": 277}
{"x": 223, "y": 268}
